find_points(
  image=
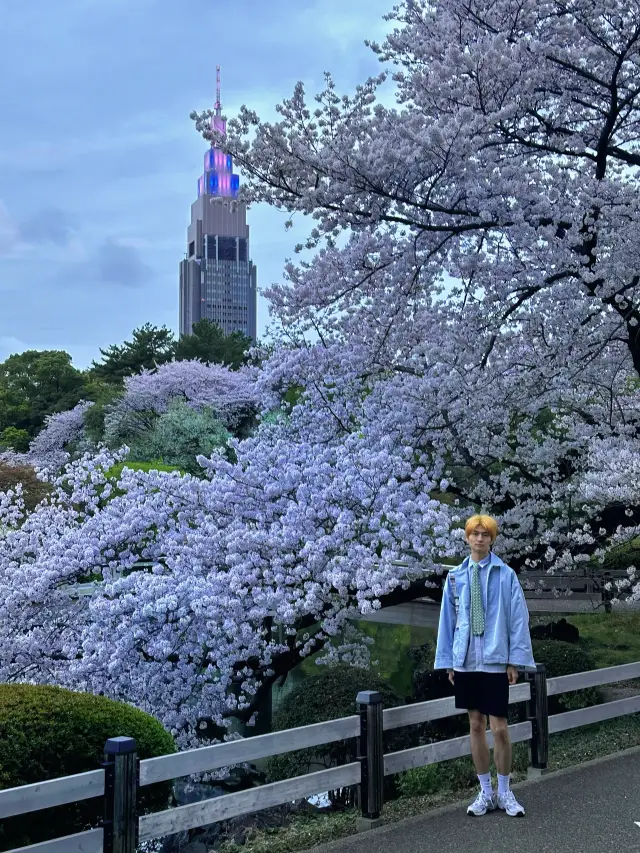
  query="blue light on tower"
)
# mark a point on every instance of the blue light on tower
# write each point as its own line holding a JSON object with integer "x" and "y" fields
{"x": 218, "y": 178}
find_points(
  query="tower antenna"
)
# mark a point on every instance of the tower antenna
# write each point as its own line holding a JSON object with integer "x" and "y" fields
{"x": 218, "y": 104}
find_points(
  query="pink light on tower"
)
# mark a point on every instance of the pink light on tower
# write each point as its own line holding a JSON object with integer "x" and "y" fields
{"x": 218, "y": 178}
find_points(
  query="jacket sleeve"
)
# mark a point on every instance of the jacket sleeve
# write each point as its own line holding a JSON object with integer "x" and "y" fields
{"x": 520, "y": 651}
{"x": 446, "y": 628}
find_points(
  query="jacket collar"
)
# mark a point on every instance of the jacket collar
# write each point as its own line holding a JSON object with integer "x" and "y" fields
{"x": 494, "y": 560}
{"x": 494, "y": 563}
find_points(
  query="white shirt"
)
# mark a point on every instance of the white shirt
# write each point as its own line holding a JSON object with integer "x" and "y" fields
{"x": 474, "y": 660}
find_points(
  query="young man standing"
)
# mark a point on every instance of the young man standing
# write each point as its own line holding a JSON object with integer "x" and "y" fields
{"x": 483, "y": 637}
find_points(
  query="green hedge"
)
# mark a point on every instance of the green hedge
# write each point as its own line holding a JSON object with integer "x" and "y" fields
{"x": 562, "y": 658}
{"x": 328, "y": 696}
{"x": 33, "y": 490}
{"x": 47, "y": 732}
{"x": 620, "y": 558}
{"x": 429, "y": 684}
{"x": 423, "y": 658}
{"x": 115, "y": 472}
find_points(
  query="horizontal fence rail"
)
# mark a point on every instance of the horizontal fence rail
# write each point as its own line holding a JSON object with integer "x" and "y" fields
{"x": 593, "y": 714}
{"x": 53, "y": 792}
{"x": 439, "y": 709}
{"x": 245, "y": 802}
{"x": 83, "y": 842}
{"x": 210, "y": 758}
{"x": 433, "y": 753}
{"x": 367, "y": 726}
{"x": 592, "y": 678}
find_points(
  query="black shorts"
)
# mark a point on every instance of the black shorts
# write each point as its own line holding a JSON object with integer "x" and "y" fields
{"x": 487, "y": 692}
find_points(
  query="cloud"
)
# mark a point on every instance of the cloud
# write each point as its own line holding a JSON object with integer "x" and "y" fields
{"x": 49, "y": 225}
{"x": 9, "y": 236}
{"x": 115, "y": 262}
{"x": 343, "y": 24}
{"x": 75, "y": 310}
{"x": 98, "y": 197}
{"x": 120, "y": 264}
{"x": 45, "y": 155}
{"x": 9, "y": 345}
{"x": 83, "y": 354}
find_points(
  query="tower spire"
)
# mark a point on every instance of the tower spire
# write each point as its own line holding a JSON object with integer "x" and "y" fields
{"x": 218, "y": 124}
{"x": 218, "y": 104}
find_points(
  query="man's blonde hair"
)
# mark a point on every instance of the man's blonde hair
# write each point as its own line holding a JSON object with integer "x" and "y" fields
{"x": 489, "y": 524}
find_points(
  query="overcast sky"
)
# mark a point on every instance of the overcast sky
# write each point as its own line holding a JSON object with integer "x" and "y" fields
{"x": 99, "y": 159}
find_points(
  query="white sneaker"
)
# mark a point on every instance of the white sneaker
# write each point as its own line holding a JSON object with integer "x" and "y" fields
{"x": 482, "y": 804}
{"x": 510, "y": 805}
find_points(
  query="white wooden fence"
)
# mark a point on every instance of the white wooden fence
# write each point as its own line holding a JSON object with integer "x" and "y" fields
{"x": 120, "y": 836}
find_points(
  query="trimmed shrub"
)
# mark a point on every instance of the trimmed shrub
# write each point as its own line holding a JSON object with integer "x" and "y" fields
{"x": 328, "y": 696}
{"x": 47, "y": 732}
{"x": 423, "y": 658}
{"x": 15, "y": 439}
{"x": 560, "y": 630}
{"x": 620, "y": 558}
{"x": 429, "y": 684}
{"x": 179, "y": 435}
{"x": 562, "y": 658}
{"x": 115, "y": 472}
{"x": 33, "y": 489}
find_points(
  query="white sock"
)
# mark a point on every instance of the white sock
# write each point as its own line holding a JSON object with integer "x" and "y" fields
{"x": 485, "y": 782}
{"x": 503, "y": 784}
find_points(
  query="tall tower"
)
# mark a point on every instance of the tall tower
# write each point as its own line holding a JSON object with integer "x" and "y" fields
{"x": 218, "y": 281}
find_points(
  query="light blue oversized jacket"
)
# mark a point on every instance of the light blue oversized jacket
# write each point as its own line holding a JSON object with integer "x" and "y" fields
{"x": 506, "y": 638}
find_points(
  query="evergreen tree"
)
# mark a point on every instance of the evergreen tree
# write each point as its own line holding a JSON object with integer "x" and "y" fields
{"x": 34, "y": 384}
{"x": 209, "y": 343}
{"x": 14, "y": 439}
{"x": 149, "y": 347}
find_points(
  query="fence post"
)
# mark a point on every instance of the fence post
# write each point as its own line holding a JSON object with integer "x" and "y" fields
{"x": 538, "y": 715}
{"x": 121, "y": 782}
{"x": 607, "y": 594}
{"x": 371, "y": 758}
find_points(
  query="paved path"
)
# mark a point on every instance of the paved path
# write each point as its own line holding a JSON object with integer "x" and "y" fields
{"x": 587, "y": 809}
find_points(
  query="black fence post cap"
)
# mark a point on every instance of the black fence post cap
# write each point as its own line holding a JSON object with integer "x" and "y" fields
{"x": 120, "y": 745}
{"x": 369, "y": 697}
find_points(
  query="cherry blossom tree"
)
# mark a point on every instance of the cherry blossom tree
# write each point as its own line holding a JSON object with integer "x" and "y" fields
{"x": 298, "y": 535}
{"x": 464, "y": 336}
{"x": 476, "y": 264}
{"x": 229, "y": 394}
{"x": 49, "y": 449}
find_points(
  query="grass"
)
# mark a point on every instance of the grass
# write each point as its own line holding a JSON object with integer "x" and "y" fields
{"x": 612, "y": 639}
